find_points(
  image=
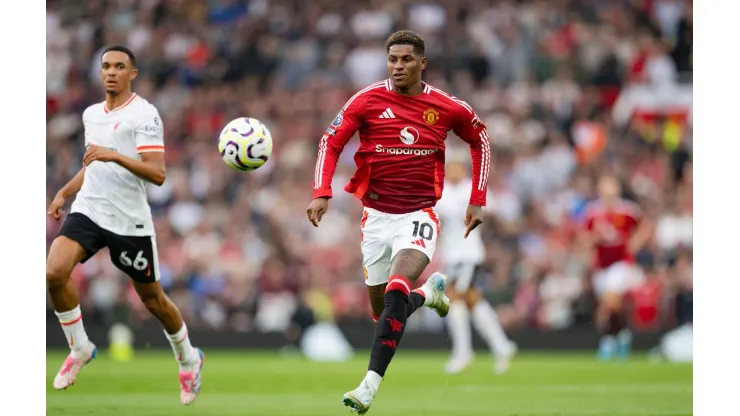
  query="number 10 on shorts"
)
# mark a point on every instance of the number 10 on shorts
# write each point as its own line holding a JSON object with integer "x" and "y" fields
{"x": 423, "y": 230}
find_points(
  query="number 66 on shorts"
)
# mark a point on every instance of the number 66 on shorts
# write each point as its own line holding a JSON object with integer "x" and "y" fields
{"x": 384, "y": 235}
{"x": 137, "y": 257}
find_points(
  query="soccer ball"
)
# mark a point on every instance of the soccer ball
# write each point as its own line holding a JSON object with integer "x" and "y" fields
{"x": 245, "y": 144}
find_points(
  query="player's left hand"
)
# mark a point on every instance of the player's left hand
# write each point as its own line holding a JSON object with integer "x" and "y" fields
{"x": 98, "y": 153}
{"x": 473, "y": 218}
{"x": 316, "y": 210}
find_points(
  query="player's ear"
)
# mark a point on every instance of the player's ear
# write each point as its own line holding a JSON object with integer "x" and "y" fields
{"x": 423, "y": 63}
{"x": 134, "y": 73}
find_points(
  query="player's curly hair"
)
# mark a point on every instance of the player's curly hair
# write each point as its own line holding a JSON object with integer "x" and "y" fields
{"x": 406, "y": 37}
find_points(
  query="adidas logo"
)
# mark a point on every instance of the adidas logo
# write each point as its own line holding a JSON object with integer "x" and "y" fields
{"x": 419, "y": 242}
{"x": 387, "y": 114}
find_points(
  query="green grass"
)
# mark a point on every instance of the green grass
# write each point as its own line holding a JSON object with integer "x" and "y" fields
{"x": 266, "y": 384}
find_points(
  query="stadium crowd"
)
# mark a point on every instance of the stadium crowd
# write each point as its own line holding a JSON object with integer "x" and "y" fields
{"x": 569, "y": 89}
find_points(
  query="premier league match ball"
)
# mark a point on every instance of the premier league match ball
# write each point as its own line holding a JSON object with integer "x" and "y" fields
{"x": 245, "y": 144}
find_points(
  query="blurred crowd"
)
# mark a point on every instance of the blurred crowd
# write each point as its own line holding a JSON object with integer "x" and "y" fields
{"x": 569, "y": 89}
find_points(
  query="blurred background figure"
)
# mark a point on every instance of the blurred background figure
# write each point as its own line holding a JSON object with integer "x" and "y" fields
{"x": 462, "y": 259}
{"x": 570, "y": 90}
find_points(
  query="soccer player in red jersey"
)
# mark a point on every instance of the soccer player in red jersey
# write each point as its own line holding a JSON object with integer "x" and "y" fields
{"x": 615, "y": 228}
{"x": 403, "y": 123}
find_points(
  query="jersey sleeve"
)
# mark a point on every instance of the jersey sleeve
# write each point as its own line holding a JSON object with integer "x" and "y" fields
{"x": 344, "y": 126}
{"x": 149, "y": 132}
{"x": 471, "y": 129}
{"x": 489, "y": 209}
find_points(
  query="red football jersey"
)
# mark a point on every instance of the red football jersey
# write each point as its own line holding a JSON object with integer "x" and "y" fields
{"x": 401, "y": 157}
{"x": 612, "y": 228}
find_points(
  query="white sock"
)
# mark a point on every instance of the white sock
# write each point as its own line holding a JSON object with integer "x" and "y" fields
{"x": 184, "y": 352}
{"x": 373, "y": 379}
{"x": 459, "y": 327}
{"x": 427, "y": 293}
{"x": 486, "y": 323}
{"x": 74, "y": 331}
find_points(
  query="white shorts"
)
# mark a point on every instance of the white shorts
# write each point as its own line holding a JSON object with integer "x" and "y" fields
{"x": 462, "y": 275}
{"x": 617, "y": 278}
{"x": 384, "y": 235}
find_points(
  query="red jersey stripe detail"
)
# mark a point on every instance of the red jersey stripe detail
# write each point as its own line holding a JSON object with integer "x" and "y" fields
{"x": 362, "y": 223}
{"x": 485, "y": 160}
{"x": 121, "y": 106}
{"x": 433, "y": 216}
{"x": 461, "y": 103}
{"x": 438, "y": 181}
{"x": 150, "y": 148}
{"x": 362, "y": 91}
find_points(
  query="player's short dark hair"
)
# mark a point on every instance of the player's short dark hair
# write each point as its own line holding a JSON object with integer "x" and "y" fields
{"x": 406, "y": 37}
{"x": 121, "y": 48}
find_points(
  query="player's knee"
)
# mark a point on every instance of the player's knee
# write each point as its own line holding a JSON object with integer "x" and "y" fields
{"x": 611, "y": 302}
{"x": 471, "y": 298}
{"x": 397, "y": 292}
{"x": 409, "y": 263}
{"x": 56, "y": 276}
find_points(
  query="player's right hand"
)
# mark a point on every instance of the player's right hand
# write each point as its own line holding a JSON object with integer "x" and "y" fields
{"x": 316, "y": 210}
{"x": 55, "y": 208}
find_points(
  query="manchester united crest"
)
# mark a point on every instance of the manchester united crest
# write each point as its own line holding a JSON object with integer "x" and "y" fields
{"x": 431, "y": 116}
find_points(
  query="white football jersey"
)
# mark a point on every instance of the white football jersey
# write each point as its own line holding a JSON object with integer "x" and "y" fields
{"x": 112, "y": 196}
{"x": 451, "y": 209}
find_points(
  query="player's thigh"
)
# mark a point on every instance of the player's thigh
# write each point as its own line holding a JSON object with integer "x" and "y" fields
{"x": 64, "y": 255}
{"x": 463, "y": 276}
{"x": 376, "y": 251}
{"x": 135, "y": 256}
{"x": 473, "y": 296}
{"x": 414, "y": 242}
{"x": 78, "y": 240}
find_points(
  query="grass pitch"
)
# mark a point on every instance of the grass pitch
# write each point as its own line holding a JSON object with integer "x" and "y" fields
{"x": 268, "y": 384}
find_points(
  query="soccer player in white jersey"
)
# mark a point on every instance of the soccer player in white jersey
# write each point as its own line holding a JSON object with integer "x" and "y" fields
{"x": 461, "y": 259}
{"x": 125, "y": 150}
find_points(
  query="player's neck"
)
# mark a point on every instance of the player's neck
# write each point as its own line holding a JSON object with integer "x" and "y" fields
{"x": 114, "y": 101}
{"x": 410, "y": 91}
{"x": 609, "y": 204}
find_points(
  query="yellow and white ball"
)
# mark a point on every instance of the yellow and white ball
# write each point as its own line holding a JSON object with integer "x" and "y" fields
{"x": 245, "y": 144}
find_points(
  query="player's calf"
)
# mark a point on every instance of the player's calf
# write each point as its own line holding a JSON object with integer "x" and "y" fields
{"x": 64, "y": 255}
{"x": 160, "y": 305}
{"x": 388, "y": 332}
{"x": 377, "y": 300}
{"x": 615, "y": 338}
{"x": 391, "y": 324}
{"x": 190, "y": 359}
